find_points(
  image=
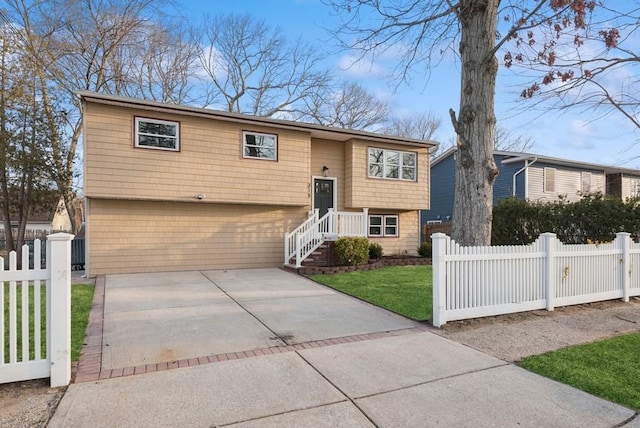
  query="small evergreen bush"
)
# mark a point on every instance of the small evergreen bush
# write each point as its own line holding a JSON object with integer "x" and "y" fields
{"x": 352, "y": 251}
{"x": 426, "y": 249}
{"x": 375, "y": 251}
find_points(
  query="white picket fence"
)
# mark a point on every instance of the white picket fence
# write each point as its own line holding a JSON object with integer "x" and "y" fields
{"x": 22, "y": 355}
{"x": 471, "y": 282}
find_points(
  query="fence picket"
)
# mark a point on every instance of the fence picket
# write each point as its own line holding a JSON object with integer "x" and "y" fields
{"x": 26, "y": 358}
{"x": 482, "y": 281}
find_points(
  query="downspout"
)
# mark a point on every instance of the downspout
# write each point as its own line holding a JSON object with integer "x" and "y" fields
{"x": 524, "y": 168}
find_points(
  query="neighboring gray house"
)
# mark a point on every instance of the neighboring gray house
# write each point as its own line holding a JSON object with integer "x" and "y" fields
{"x": 532, "y": 177}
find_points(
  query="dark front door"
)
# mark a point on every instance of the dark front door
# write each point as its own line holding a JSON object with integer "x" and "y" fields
{"x": 322, "y": 195}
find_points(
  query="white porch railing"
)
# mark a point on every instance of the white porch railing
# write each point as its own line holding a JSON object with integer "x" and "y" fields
{"x": 470, "y": 282}
{"x": 23, "y": 357}
{"x": 306, "y": 238}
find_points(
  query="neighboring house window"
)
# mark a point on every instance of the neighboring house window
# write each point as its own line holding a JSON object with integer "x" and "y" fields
{"x": 635, "y": 188}
{"x": 383, "y": 225}
{"x": 392, "y": 164}
{"x": 256, "y": 145}
{"x": 549, "y": 179}
{"x": 157, "y": 134}
{"x": 586, "y": 182}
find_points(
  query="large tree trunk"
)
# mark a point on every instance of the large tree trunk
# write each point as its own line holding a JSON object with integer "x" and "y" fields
{"x": 475, "y": 126}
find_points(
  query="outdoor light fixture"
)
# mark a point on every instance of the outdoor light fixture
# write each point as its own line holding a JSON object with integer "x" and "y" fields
{"x": 200, "y": 196}
{"x": 325, "y": 170}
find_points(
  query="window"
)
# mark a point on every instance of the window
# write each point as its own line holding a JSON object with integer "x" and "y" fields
{"x": 586, "y": 182}
{"x": 635, "y": 188}
{"x": 383, "y": 225}
{"x": 392, "y": 165}
{"x": 256, "y": 145}
{"x": 549, "y": 179}
{"x": 157, "y": 134}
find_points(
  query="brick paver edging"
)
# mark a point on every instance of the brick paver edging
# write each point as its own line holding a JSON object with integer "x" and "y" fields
{"x": 91, "y": 356}
{"x": 210, "y": 359}
{"x": 89, "y": 367}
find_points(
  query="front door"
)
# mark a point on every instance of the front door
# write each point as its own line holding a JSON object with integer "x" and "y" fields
{"x": 322, "y": 195}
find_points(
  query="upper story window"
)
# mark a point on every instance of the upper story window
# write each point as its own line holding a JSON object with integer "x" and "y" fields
{"x": 256, "y": 145}
{"x": 157, "y": 134}
{"x": 586, "y": 182}
{"x": 549, "y": 179}
{"x": 392, "y": 164}
{"x": 635, "y": 187}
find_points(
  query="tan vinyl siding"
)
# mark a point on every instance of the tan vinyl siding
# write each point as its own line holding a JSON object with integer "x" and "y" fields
{"x": 567, "y": 183}
{"x": 363, "y": 192}
{"x": 409, "y": 234}
{"x": 331, "y": 154}
{"x": 145, "y": 236}
{"x": 209, "y": 162}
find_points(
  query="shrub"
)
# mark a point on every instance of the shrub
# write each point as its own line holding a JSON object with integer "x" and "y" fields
{"x": 375, "y": 251}
{"x": 426, "y": 249}
{"x": 352, "y": 251}
{"x": 594, "y": 218}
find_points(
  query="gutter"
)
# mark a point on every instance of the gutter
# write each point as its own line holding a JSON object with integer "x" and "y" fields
{"x": 524, "y": 168}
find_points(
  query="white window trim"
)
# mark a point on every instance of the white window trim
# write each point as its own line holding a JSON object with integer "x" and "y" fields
{"x": 162, "y": 122}
{"x": 384, "y": 157}
{"x": 244, "y": 142}
{"x": 383, "y": 226}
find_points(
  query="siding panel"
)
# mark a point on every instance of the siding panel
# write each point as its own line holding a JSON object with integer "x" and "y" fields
{"x": 143, "y": 236}
{"x": 209, "y": 162}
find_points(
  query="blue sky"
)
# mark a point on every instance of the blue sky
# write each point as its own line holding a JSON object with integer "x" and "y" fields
{"x": 573, "y": 134}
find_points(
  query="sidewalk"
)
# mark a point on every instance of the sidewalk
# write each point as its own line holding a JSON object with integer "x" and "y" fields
{"x": 340, "y": 362}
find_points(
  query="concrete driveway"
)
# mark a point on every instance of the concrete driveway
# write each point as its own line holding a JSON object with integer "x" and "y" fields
{"x": 265, "y": 347}
{"x": 164, "y": 317}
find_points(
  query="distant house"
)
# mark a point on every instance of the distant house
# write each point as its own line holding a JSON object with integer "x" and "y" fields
{"x": 172, "y": 187}
{"x": 533, "y": 177}
{"x": 43, "y": 221}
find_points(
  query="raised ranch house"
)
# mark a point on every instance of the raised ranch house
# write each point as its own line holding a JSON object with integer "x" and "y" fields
{"x": 172, "y": 187}
{"x": 532, "y": 177}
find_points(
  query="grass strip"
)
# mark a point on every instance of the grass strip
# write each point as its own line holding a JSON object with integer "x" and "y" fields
{"x": 607, "y": 368}
{"x": 81, "y": 299}
{"x": 405, "y": 290}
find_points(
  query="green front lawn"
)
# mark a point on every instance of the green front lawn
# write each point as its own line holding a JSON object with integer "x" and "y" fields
{"x": 608, "y": 368}
{"x": 81, "y": 298}
{"x": 405, "y": 290}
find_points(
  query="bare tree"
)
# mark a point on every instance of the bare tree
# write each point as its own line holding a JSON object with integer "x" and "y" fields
{"x": 253, "y": 69}
{"x": 424, "y": 28}
{"x": 597, "y": 70}
{"x": 421, "y": 127}
{"x": 349, "y": 106}
{"x": 510, "y": 141}
{"x": 98, "y": 46}
{"x": 162, "y": 66}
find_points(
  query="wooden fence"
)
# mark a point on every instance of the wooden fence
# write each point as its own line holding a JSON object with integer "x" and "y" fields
{"x": 46, "y": 352}
{"x": 470, "y": 282}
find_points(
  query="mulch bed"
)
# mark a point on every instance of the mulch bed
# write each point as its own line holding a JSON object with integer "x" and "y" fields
{"x": 377, "y": 264}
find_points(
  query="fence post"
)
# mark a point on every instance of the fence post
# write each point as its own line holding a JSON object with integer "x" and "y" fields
{"x": 550, "y": 241}
{"x": 440, "y": 243}
{"x": 623, "y": 239}
{"x": 59, "y": 319}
